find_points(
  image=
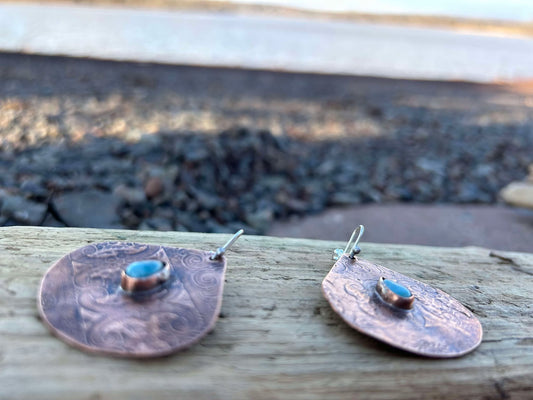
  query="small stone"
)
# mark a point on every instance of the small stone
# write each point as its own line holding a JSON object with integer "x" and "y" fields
{"x": 144, "y": 268}
{"x": 156, "y": 223}
{"x": 260, "y": 220}
{"x": 207, "y": 200}
{"x": 129, "y": 195}
{"x": 431, "y": 166}
{"x": 33, "y": 188}
{"x": 23, "y": 211}
{"x": 345, "y": 199}
{"x": 468, "y": 193}
{"x": 154, "y": 187}
{"x": 518, "y": 194}
{"x": 396, "y": 288}
{"x": 88, "y": 209}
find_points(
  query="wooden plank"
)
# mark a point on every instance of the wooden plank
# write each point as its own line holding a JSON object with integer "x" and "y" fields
{"x": 277, "y": 336}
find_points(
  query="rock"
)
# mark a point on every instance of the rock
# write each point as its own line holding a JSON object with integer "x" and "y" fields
{"x": 89, "y": 208}
{"x": 52, "y": 222}
{"x": 214, "y": 227}
{"x": 468, "y": 193}
{"x": 148, "y": 145}
{"x": 345, "y": 199}
{"x": 196, "y": 153}
{"x": 156, "y": 224}
{"x": 130, "y": 218}
{"x": 431, "y": 165}
{"x": 23, "y": 210}
{"x": 370, "y": 196}
{"x": 260, "y": 220}
{"x": 484, "y": 170}
{"x": 34, "y": 188}
{"x": 188, "y": 221}
{"x": 112, "y": 166}
{"x": 80, "y": 182}
{"x": 129, "y": 195}
{"x": 159, "y": 181}
{"x": 154, "y": 187}
{"x": 518, "y": 194}
{"x": 205, "y": 199}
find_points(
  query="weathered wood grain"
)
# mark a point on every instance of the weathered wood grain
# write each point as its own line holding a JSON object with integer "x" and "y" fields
{"x": 277, "y": 337}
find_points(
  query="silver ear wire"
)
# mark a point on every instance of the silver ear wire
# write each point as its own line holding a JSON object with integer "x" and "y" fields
{"x": 221, "y": 250}
{"x": 351, "y": 248}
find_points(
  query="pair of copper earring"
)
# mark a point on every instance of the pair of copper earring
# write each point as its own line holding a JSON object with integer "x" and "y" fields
{"x": 140, "y": 300}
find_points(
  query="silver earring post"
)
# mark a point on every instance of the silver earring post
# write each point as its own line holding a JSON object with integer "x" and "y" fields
{"x": 352, "y": 247}
{"x": 221, "y": 250}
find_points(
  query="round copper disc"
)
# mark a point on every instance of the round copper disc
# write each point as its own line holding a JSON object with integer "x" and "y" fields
{"x": 436, "y": 326}
{"x": 81, "y": 301}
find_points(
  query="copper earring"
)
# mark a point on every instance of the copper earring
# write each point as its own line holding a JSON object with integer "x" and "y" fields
{"x": 133, "y": 300}
{"x": 396, "y": 309}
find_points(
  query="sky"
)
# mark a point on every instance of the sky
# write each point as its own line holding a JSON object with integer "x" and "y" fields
{"x": 514, "y": 10}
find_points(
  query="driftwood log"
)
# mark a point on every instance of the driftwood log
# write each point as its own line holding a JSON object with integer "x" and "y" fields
{"x": 277, "y": 337}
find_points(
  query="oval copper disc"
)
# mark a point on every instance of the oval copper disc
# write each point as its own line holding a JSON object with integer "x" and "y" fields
{"x": 436, "y": 326}
{"x": 81, "y": 301}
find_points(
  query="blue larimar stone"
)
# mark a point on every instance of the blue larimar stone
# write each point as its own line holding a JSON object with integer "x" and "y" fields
{"x": 143, "y": 269}
{"x": 397, "y": 288}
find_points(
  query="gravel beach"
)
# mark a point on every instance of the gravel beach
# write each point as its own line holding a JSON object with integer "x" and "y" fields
{"x": 144, "y": 146}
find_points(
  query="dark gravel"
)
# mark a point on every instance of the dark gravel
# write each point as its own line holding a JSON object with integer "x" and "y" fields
{"x": 102, "y": 144}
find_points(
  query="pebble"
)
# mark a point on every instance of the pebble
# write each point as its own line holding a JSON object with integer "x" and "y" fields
{"x": 130, "y": 195}
{"x": 22, "y": 210}
{"x": 34, "y": 188}
{"x": 90, "y": 208}
{"x": 519, "y": 194}
{"x": 154, "y": 187}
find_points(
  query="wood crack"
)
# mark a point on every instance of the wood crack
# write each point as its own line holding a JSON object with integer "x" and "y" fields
{"x": 514, "y": 265}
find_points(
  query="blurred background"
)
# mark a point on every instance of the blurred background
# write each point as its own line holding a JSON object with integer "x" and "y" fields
{"x": 286, "y": 118}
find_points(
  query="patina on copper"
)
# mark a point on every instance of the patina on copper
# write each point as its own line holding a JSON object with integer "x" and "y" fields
{"x": 437, "y": 325}
{"x": 82, "y": 302}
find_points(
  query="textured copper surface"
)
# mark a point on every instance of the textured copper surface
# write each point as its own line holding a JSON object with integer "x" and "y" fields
{"x": 81, "y": 301}
{"x": 436, "y": 326}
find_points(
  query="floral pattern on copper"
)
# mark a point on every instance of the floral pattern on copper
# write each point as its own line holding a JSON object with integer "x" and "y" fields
{"x": 81, "y": 300}
{"x": 436, "y": 326}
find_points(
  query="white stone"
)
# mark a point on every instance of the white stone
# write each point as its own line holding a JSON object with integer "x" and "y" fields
{"x": 518, "y": 194}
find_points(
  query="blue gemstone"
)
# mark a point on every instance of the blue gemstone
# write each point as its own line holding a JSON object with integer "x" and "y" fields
{"x": 397, "y": 288}
{"x": 143, "y": 269}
